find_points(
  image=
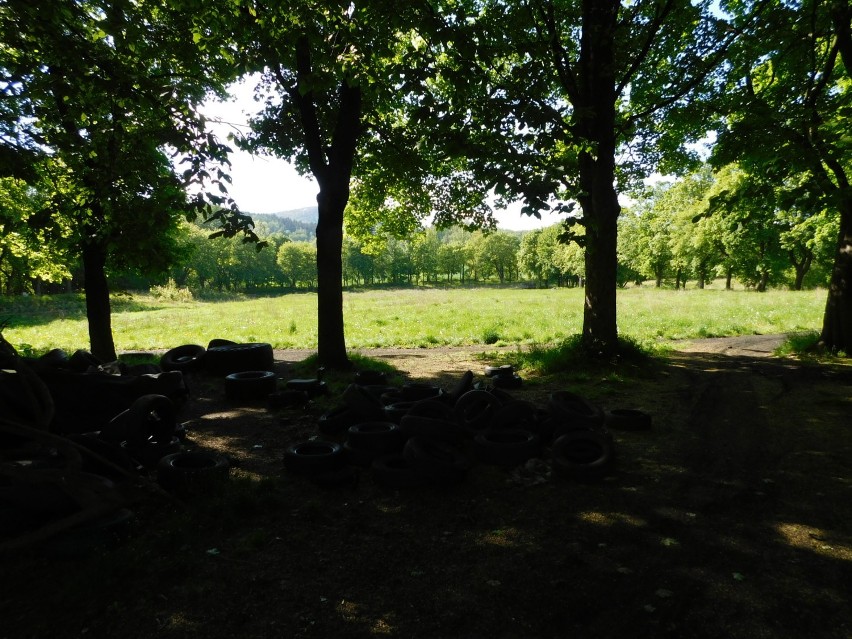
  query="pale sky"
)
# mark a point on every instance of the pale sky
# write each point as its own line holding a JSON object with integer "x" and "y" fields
{"x": 269, "y": 185}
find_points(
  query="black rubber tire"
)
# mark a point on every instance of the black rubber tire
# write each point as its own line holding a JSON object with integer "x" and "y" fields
{"x": 151, "y": 452}
{"x": 83, "y": 361}
{"x": 461, "y": 387}
{"x": 507, "y": 447}
{"x": 313, "y": 387}
{"x": 500, "y": 395}
{"x": 516, "y": 414}
{"x": 475, "y": 410}
{"x": 433, "y": 409}
{"x": 435, "y": 429}
{"x": 415, "y": 392}
{"x": 213, "y": 343}
{"x": 395, "y": 412}
{"x": 506, "y": 369}
{"x": 573, "y": 412}
{"x": 364, "y": 401}
{"x": 314, "y": 457}
{"x": 236, "y": 358}
{"x": 338, "y": 420}
{"x": 110, "y": 451}
{"x": 188, "y": 357}
{"x": 582, "y": 455}
{"x": 629, "y": 419}
{"x": 439, "y": 461}
{"x": 55, "y": 358}
{"x": 395, "y": 471}
{"x": 150, "y": 416}
{"x": 507, "y": 381}
{"x": 192, "y": 470}
{"x": 250, "y": 385}
{"x": 376, "y": 437}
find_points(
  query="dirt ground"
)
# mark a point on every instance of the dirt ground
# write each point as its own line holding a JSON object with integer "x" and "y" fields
{"x": 730, "y": 518}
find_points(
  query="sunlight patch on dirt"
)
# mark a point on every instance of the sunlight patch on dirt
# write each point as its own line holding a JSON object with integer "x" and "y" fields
{"x": 235, "y": 414}
{"x": 815, "y": 540}
{"x": 610, "y": 519}
{"x": 504, "y": 538}
{"x": 351, "y": 612}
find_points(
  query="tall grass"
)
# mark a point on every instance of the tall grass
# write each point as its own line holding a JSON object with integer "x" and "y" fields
{"x": 412, "y": 317}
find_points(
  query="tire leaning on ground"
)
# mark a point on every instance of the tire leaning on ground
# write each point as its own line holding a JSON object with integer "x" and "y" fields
{"x": 191, "y": 470}
{"x": 475, "y": 410}
{"x": 582, "y": 455}
{"x": 150, "y": 416}
{"x": 250, "y": 385}
{"x": 237, "y": 358}
{"x": 188, "y": 357}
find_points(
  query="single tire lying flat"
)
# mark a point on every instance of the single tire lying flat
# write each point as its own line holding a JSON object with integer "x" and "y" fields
{"x": 194, "y": 470}
{"x": 314, "y": 457}
{"x": 250, "y": 385}
{"x": 582, "y": 455}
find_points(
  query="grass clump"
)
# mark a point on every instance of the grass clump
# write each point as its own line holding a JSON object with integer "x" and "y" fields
{"x": 573, "y": 356}
{"x": 806, "y": 345}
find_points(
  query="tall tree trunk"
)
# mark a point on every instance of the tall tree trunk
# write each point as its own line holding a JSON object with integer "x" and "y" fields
{"x": 800, "y": 276}
{"x": 837, "y": 320}
{"x": 763, "y": 282}
{"x": 729, "y": 276}
{"x": 594, "y": 122}
{"x": 333, "y": 169}
{"x": 98, "y": 312}
{"x": 331, "y": 343}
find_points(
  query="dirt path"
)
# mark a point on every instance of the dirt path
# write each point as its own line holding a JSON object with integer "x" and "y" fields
{"x": 444, "y": 362}
{"x": 747, "y": 345}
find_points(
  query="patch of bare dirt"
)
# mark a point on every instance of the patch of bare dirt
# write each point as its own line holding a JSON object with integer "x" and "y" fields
{"x": 732, "y": 517}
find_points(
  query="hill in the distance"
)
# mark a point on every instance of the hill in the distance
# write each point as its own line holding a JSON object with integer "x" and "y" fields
{"x": 308, "y": 214}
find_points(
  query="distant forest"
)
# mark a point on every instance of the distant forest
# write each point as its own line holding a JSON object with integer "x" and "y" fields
{"x": 299, "y": 224}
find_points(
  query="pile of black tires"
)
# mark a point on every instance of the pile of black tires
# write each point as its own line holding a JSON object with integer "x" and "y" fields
{"x": 420, "y": 434}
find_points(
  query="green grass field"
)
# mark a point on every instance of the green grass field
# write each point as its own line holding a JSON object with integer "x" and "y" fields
{"x": 412, "y": 317}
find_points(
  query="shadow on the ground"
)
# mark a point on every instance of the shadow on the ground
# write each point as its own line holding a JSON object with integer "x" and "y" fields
{"x": 730, "y": 518}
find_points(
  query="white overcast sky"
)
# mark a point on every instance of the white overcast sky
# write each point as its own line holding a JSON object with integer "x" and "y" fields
{"x": 268, "y": 185}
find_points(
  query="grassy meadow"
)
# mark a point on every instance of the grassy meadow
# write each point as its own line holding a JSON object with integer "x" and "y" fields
{"x": 411, "y": 317}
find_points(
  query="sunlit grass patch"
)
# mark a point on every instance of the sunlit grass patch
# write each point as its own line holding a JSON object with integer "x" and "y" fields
{"x": 412, "y": 318}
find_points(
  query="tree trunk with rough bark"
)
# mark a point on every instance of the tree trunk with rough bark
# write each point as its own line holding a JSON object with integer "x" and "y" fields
{"x": 98, "y": 311}
{"x": 331, "y": 343}
{"x": 594, "y": 122}
{"x": 837, "y": 320}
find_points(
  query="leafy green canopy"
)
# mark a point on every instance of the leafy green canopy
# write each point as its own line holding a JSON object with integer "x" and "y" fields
{"x": 103, "y": 93}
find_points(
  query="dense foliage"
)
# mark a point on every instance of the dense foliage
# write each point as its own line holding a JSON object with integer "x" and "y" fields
{"x": 422, "y": 110}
